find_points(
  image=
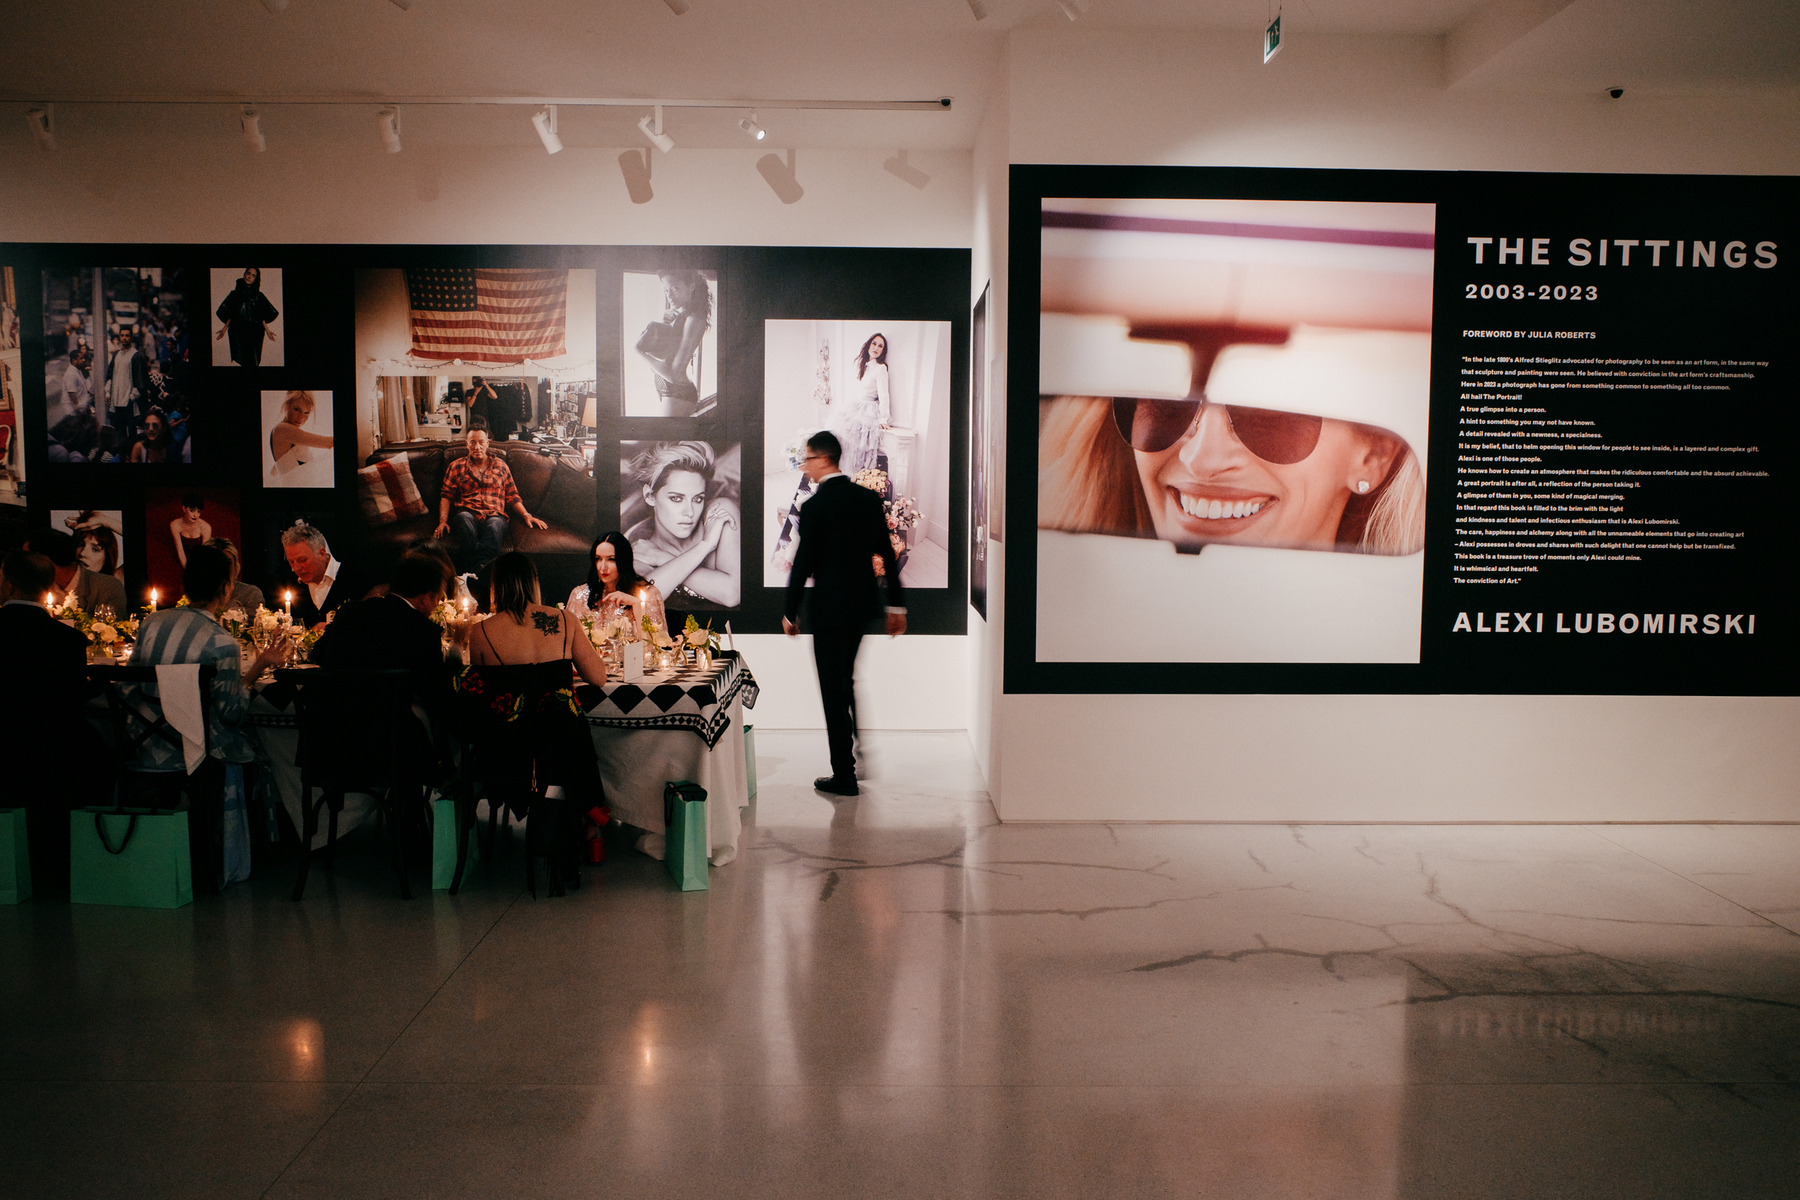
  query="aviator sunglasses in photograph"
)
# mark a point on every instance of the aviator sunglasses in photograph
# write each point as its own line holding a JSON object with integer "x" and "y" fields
{"x": 1153, "y": 426}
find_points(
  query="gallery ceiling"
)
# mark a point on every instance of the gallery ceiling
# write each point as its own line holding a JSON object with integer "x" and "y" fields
{"x": 839, "y": 49}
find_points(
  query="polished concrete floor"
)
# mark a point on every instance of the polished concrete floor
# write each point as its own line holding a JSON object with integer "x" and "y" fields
{"x": 894, "y": 996}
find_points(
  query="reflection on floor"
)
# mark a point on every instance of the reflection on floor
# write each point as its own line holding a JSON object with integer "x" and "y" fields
{"x": 895, "y": 996}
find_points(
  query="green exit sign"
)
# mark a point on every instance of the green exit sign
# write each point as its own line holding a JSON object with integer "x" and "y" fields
{"x": 1272, "y": 38}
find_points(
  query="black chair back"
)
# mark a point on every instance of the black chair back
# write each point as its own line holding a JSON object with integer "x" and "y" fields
{"x": 350, "y": 723}
{"x": 136, "y": 715}
{"x": 351, "y": 729}
{"x": 138, "y": 723}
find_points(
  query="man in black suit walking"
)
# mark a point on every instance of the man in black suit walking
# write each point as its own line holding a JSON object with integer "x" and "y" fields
{"x": 843, "y": 531}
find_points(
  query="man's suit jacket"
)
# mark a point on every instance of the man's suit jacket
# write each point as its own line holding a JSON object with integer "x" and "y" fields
{"x": 345, "y": 588}
{"x": 386, "y": 631}
{"x": 841, "y": 529}
{"x": 43, "y": 682}
{"x": 91, "y": 589}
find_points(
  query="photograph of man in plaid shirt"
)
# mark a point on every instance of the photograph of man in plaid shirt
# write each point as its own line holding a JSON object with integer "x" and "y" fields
{"x": 478, "y": 493}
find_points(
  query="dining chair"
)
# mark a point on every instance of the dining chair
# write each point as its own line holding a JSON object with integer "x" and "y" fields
{"x": 352, "y": 726}
{"x": 506, "y": 760}
{"x": 140, "y": 730}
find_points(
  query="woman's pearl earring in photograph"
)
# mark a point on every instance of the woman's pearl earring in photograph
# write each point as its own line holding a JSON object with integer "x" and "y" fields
{"x": 1362, "y": 486}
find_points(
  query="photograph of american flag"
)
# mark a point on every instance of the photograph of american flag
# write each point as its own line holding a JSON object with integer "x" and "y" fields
{"x": 487, "y": 315}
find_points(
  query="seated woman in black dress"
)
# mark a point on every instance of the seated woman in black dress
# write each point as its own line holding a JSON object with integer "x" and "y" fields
{"x": 519, "y": 695}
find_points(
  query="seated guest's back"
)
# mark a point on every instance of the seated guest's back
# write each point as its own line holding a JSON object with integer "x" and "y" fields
{"x": 43, "y": 718}
{"x": 192, "y": 634}
{"x": 395, "y": 630}
{"x": 522, "y": 629}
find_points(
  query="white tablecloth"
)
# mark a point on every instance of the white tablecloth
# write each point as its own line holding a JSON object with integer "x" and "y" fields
{"x": 277, "y": 736}
{"x": 636, "y": 763}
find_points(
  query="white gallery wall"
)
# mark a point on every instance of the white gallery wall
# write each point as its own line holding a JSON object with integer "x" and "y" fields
{"x": 1076, "y": 96}
{"x": 152, "y": 175}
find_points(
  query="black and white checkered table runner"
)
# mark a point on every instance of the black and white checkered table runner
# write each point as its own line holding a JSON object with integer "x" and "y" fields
{"x": 685, "y": 698}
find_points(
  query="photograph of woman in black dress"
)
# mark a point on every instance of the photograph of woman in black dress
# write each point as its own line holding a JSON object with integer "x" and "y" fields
{"x": 247, "y": 318}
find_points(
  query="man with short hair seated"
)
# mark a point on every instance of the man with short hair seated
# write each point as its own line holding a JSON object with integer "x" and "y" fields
{"x": 396, "y": 630}
{"x": 45, "y": 677}
{"x": 88, "y": 590}
{"x": 478, "y": 493}
{"x": 322, "y": 582}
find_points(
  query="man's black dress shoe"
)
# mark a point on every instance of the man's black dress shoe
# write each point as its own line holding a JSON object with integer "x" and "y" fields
{"x": 836, "y": 786}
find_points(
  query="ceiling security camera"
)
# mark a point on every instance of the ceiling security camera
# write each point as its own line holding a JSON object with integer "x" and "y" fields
{"x": 1615, "y": 93}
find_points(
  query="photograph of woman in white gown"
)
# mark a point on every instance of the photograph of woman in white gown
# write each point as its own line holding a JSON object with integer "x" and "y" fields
{"x": 882, "y": 386}
{"x": 297, "y": 447}
{"x": 870, "y": 408}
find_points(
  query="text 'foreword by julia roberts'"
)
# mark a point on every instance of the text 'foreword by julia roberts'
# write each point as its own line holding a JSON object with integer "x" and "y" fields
{"x": 1617, "y": 252}
{"x": 1676, "y": 623}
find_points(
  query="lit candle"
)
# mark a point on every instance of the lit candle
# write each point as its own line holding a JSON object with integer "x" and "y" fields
{"x": 49, "y": 599}
{"x": 468, "y": 605}
{"x": 152, "y": 599}
{"x": 288, "y": 599}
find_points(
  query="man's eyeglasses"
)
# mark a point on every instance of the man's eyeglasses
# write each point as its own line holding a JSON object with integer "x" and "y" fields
{"x": 1152, "y": 426}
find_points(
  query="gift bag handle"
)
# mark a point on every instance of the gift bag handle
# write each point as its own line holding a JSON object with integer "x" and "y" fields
{"x": 100, "y": 828}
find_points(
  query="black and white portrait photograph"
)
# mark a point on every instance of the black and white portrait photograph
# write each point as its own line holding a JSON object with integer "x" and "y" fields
{"x": 670, "y": 324}
{"x": 681, "y": 508}
{"x": 247, "y": 323}
{"x": 297, "y": 439}
{"x": 116, "y": 359}
{"x": 883, "y": 387}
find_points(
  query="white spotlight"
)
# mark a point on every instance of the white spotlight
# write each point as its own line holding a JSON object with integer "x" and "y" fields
{"x": 275, "y": 7}
{"x": 899, "y": 168}
{"x": 979, "y": 8}
{"x": 658, "y": 138}
{"x": 38, "y": 120}
{"x": 749, "y": 126}
{"x": 250, "y": 124}
{"x": 544, "y": 121}
{"x": 1071, "y": 8}
{"x": 388, "y": 122}
{"x": 678, "y": 7}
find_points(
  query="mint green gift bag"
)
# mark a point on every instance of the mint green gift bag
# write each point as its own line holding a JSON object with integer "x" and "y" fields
{"x": 443, "y": 845}
{"x": 15, "y": 857}
{"x": 138, "y": 859}
{"x": 750, "y": 758}
{"x": 684, "y": 814}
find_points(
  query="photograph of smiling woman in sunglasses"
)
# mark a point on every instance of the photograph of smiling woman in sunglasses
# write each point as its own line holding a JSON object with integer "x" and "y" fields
{"x": 1233, "y": 406}
{"x": 1206, "y": 469}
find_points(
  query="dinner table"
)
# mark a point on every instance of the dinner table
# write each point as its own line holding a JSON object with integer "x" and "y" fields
{"x": 681, "y": 723}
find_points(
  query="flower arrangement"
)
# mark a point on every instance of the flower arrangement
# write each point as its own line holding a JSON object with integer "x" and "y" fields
{"x": 902, "y": 513}
{"x": 696, "y": 637}
{"x": 873, "y": 478}
{"x": 822, "y": 375}
{"x": 109, "y": 635}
